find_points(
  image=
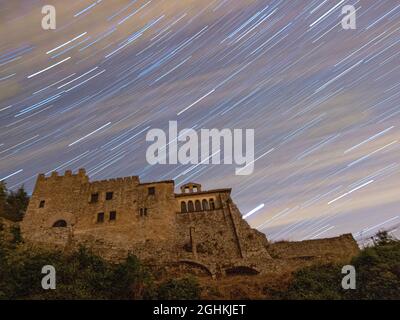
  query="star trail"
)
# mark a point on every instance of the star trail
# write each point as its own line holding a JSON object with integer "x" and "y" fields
{"x": 324, "y": 101}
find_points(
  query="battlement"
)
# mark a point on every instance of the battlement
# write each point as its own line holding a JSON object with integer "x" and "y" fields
{"x": 133, "y": 180}
{"x": 81, "y": 181}
{"x": 82, "y": 174}
{"x": 187, "y": 190}
{"x": 67, "y": 174}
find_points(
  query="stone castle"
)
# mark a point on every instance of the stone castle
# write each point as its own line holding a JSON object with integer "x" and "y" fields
{"x": 202, "y": 230}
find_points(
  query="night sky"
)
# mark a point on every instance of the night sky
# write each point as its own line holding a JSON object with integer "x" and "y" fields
{"x": 324, "y": 102}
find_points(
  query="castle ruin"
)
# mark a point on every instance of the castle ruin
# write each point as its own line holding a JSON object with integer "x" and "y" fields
{"x": 196, "y": 228}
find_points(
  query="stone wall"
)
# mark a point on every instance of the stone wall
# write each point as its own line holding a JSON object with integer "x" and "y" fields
{"x": 341, "y": 248}
{"x": 220, "y": 238}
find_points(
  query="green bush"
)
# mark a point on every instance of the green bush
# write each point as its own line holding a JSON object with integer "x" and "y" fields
{"x": 179, "y": 289}
{"x": 80, "y": 275}
{"x": 319, "y": 282}
{"x": 378, "y": 271}
{"x": 134, "y": 280}
{"x": 377, "y": 276}
{"x": 16, "y": 232}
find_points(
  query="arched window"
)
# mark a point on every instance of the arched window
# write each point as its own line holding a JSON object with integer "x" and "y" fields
{"x": 197, "y": 205}
{"x": 183, "y": 206}
{"x": 212, "y": 204}
{"x": 205, "y": 205}
{"x": 60, "y": 224}
{"x": 190, "y": 206}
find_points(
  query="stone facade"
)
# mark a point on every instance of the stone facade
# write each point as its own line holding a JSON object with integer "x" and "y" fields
{"x": 196, "y": 229}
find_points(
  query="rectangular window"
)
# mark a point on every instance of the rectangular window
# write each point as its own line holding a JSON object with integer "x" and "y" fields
{"x": 152, "y": 191}
{"x": 41, "y": 204}
{"x": 94, "y": 197}
{"x": 113, "y": 215}
{"x": 109, "y": 195}
{"x": 100, "y": 217}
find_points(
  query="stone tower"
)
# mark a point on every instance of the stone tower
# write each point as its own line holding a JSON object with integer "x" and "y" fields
{"x": 197, "y": 228}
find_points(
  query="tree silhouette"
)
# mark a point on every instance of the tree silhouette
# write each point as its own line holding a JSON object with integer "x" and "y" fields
{"x": 13, "y": 204}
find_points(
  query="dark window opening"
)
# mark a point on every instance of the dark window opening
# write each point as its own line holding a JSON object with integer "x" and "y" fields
{"x": 152, "y": 191}
{"x": 183, "y": 206}
{"x": 113, "y": 215}
{"x": 100, "y": 217}
{"x": 60, "y": 224}
{"x": 143, "y": 212}
{"x": 41, "y": 204}
{"x": 205, "y": 205}
{"x": 212, "y": 204}
{"x": 197, "y": 205}
{"x": 109, "y": 195}
{"x": 240, "y": 271}
{"x": 94, "y": 197}
{"x": 190, "y": 206}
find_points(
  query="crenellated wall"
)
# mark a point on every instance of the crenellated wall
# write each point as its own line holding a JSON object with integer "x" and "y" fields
{"x": 142, "y": 222}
